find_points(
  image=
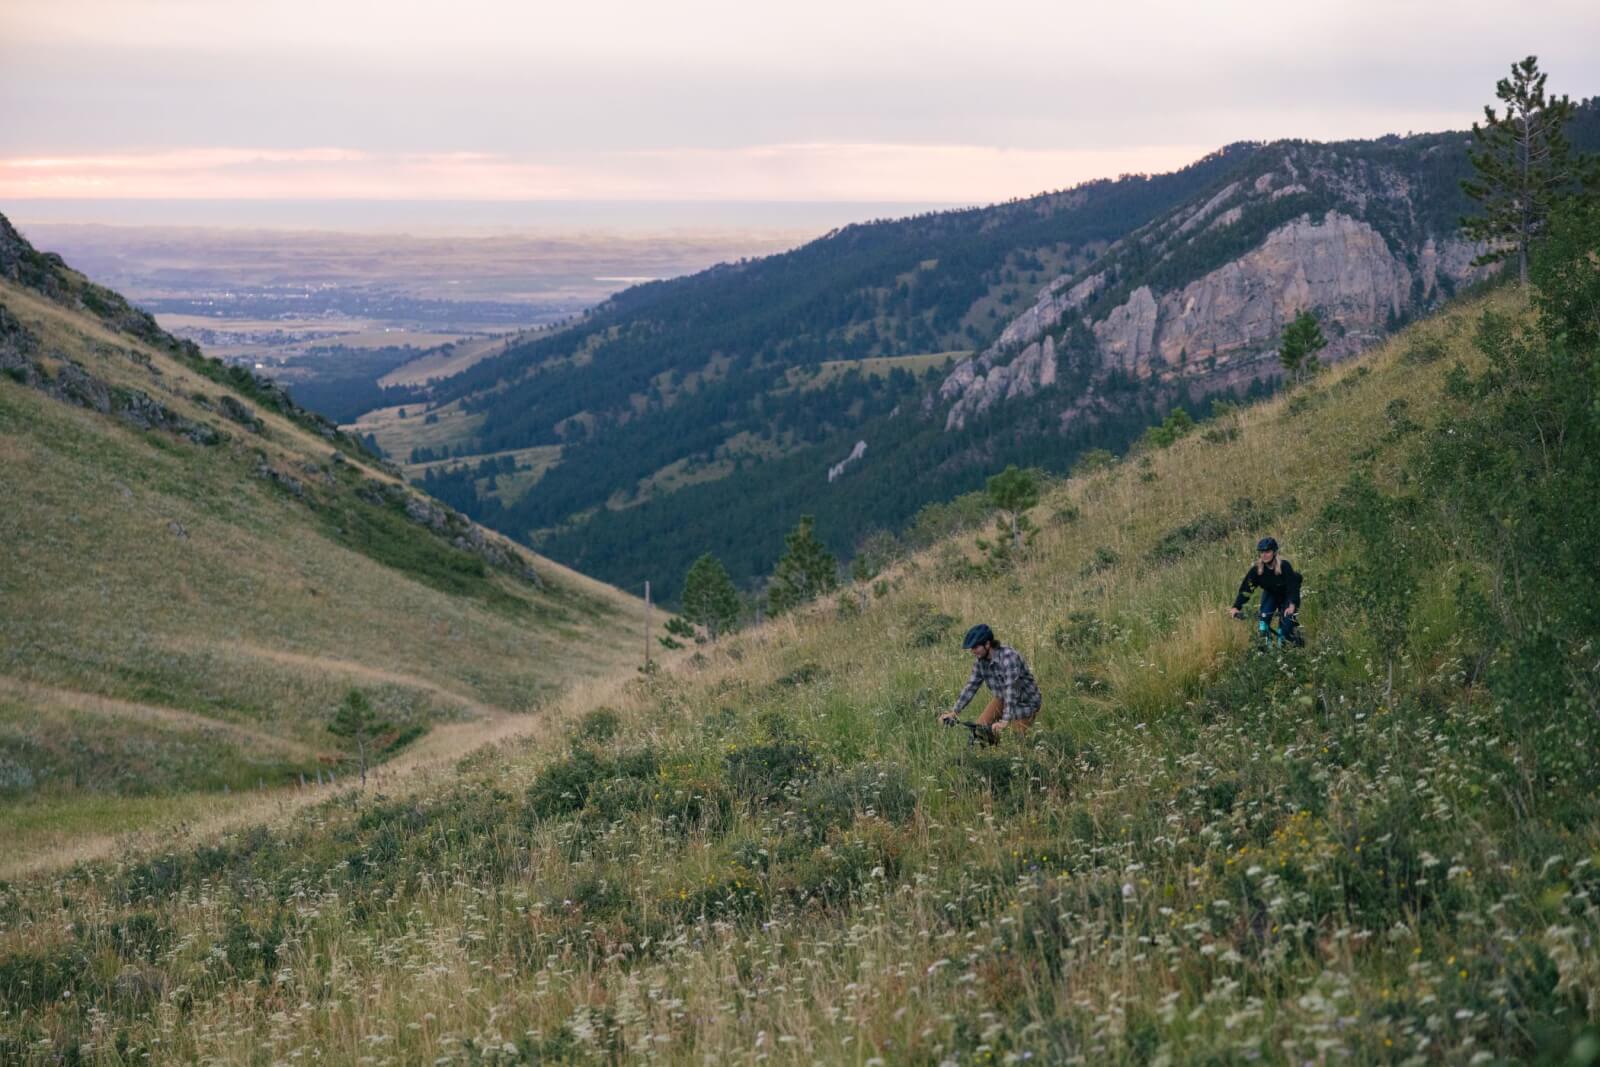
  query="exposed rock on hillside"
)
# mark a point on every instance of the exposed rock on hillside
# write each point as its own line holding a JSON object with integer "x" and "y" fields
{"x": 838, "y": 469}
{"x": 1339, "y": 266}
{"x": 975, "y": 392}
{"x": 1206, "y": 291}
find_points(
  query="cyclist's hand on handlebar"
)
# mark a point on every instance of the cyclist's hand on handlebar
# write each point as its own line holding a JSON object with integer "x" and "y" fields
{"x": 1290, "y": 610}
{"x": 1233, "y": 613}
{"x": 948, "y": 717}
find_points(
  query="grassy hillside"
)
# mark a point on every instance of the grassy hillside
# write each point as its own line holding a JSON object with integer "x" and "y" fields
{"x": 1365, "y": 851}
{"x": 196, "y": 572}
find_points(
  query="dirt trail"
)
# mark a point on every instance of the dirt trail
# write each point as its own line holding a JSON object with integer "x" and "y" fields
{"x": 95, "y": 704}
{"x": 431, "y": 761}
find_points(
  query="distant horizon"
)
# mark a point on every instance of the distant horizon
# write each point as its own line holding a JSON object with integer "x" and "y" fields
{"x": 464, "y": 217}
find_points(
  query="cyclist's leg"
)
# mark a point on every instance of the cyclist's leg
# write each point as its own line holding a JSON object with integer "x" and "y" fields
{"x": 1020, "y": 726}
{"x": 991, "y": 714}
{"x": 1269, "y": 608}
{"x": 1290, "y": 628}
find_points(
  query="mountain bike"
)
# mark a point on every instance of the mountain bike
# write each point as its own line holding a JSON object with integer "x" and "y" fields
{"x": 1269, "y": 636}
{"x": 979, "y": 733}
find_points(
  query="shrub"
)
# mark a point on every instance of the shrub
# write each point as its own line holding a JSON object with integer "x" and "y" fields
{"x": 762, "y": 773}
{"x": 565, "y": 786}
{"x": 1093, "y": 461}
{"x": 1081, "y": 631}
{"x": 1423, "y": 349}
{"x": 1206, "y": 529}
{"x": 599, "y": 725}
{"x": 1175, "y": 426}
{"x": 835, "y": 799}
{"x": 1102, "y": 560}
{"x": 929, "y": 627}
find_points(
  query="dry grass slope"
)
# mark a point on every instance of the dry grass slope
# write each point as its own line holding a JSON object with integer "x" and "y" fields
{"x": 770, "y": 854}
{"x": 175, "y": 625}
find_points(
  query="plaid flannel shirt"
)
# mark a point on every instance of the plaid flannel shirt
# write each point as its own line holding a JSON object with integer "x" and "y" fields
{"x": 1007, "y": 678}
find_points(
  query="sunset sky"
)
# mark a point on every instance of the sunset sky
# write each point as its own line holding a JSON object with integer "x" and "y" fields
{"x": 721, "y": 99}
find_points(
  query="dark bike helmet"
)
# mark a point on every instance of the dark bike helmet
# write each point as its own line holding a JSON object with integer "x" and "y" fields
{"x": 1267, "y": 544}
{"x": 978, "y": 635}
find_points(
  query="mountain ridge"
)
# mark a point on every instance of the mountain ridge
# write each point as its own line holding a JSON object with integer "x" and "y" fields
{"x": 1198, "y": 268}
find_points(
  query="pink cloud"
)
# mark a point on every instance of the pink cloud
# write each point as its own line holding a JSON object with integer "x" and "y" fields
{"x": 801, "y": 171}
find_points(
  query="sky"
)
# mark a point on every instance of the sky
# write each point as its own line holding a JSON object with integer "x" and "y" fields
{"x": 722, "y": 100}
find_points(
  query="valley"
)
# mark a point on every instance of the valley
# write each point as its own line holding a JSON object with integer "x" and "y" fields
{"x": 430, "y": 647}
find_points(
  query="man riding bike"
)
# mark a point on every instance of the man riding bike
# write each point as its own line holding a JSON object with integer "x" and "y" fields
{"x": 1016, "y": 695}
{"x": 1280, "y": 589}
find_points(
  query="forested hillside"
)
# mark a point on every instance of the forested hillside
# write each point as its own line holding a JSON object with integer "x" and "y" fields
{"x": 1380, "y": 848}
{"x": 684, "y": 422}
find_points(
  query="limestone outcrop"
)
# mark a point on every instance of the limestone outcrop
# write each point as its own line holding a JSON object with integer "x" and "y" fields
{"x": 1361, "y": 265}
{"x": 1337, "y": 265}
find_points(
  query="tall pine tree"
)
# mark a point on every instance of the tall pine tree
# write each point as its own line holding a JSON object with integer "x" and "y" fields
{"x": 1524, "y": 166}
{"x": 709, "y": 598}
{"x": 806, "y": 570}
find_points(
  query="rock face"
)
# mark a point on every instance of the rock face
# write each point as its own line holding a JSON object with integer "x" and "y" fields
{"x": 1031, "y": 371}
{"x": 460, "y": 531}
{"x": 1218, "y": 328}
{"x": 240, "y": 413}
{"x": 839, "y": 468}
{"x": 1055, "y": 300}
{"x": 71, "y": 383}
{"x": 1337, "y": 265}
{"x": 1346, "y": 231}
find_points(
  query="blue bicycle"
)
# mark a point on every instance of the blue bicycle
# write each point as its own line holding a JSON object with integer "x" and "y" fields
{"x": 1269, "y": 636}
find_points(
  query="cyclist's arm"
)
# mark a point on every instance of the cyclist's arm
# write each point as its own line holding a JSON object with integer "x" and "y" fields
{"x": 1246, "y": 587}
{"x": 970, "y": 691}
{"x": 1294, "y": 587}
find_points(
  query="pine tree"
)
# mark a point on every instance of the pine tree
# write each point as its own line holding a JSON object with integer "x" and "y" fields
{"x": 1013, "y": 492}
{"x": 709, "y": 598}
{"x": 1302, "y": 340}
{"x": 1524, "y": 166}
{"x": 359, "y": 724}
{"x": 806, "y": 570}
{"x": 677, "y": 627}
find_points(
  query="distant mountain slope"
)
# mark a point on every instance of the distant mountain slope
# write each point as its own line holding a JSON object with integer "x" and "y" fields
{"x": 1088, "y": 313}
{"x": 1364, "y": 234}
{"x": 698, "y": 368}
{"x": 196, "y": 570}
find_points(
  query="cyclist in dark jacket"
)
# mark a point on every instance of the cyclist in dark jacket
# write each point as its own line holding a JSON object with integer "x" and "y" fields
{"x": 1280, "y": 589}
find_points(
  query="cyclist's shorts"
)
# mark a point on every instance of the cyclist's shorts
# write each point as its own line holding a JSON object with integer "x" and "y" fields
{"x": 1022, "y": 715}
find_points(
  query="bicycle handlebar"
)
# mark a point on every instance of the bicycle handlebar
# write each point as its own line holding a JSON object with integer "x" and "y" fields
{"x": 979, "y": 732}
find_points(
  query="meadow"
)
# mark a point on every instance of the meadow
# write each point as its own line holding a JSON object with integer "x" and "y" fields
{"x": 769, "y": 852}
{"x": 180, "y": 618}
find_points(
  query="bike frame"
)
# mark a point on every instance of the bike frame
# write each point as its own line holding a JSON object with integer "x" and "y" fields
{"x": 1269, "y": 635}
{"x": 980, "y": 734}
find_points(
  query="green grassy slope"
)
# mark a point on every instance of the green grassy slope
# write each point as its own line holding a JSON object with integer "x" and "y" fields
{"x": 188, "y": 593}
{"x": 770, "y": 853}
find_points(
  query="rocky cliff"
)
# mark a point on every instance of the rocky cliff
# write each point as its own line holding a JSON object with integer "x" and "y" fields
{"x": 1200, "y": 297}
